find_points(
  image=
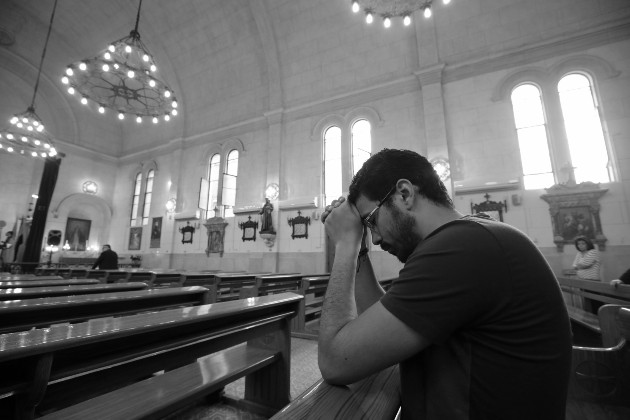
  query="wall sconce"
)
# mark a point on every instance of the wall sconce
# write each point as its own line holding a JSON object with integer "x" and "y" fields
{"x": 90, "y": 187}
{"x": 171, "y": 203}
{"x": 272, "y": 191}
{"x": 441, "y": 167}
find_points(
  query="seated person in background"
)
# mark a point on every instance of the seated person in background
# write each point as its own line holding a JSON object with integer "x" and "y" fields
{"x": 586, "y": 262}
{"x": 475, "y": 319}
{"x": 623, "y": 279}
{"x": 108, "y": 260}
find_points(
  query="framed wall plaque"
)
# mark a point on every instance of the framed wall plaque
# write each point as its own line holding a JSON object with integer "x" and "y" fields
{"x": 299, "y": 225}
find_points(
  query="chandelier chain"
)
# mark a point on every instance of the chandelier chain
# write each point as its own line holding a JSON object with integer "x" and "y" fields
{"x": 41, "y": 62}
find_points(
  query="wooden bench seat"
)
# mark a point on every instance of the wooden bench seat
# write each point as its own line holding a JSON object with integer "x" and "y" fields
{"x": 167, "y": 279}
{"x": 162, "y": 394}
{"x": 24, "y": 314}
{"x": 84, "y": 289}
{"x": 374, "y": 398}
{"x": 50, "y": 369}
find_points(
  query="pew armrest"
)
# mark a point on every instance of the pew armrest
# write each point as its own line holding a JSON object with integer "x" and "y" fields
{"x": 374, "y": 398}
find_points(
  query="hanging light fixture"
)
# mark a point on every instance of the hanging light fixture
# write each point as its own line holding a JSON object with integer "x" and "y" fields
{"x": 27, "y": 136}
{"x": 388, "y": 9}
{"x": 122, "y": 78}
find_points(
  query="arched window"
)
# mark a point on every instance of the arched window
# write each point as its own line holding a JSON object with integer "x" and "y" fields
{"x": 213, "y": 184}
{"x": 148, "y": 191}
{"x": 361, "y": 144}
{"x": 135, "y": 201}
{"x": 531, "y": 130}
{"x": 229, "y": 183}
{"x": 587, "y": 147}
{"x": 332, "y": 164}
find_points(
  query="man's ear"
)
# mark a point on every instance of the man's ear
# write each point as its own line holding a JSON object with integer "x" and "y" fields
{"x": 407, "y": 191}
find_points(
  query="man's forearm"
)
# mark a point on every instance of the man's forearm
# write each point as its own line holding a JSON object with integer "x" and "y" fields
{"x": 339, "y": 306}
{"x": 367, "y": 289}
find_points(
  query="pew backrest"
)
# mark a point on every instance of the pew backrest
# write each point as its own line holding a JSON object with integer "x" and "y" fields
{"x": 83, "y": 289}
{"x": 45, "y": 283}
{"x": 22, "y": 315}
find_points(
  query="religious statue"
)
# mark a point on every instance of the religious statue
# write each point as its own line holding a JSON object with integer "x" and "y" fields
{"x": 266, "y": 225}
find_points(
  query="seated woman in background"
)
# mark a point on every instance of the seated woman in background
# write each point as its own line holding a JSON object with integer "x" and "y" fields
{"x": 586, "y": 263}
{"x": 623, "y": 279}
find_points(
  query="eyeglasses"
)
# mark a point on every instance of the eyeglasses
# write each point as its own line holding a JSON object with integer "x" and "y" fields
{"x": 370, "y": 219}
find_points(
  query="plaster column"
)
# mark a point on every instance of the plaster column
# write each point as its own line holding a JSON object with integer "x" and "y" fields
{"x": 274, "y": 163}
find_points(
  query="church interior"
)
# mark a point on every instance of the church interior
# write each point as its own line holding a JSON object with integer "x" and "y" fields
{"x": 260, "y": 113}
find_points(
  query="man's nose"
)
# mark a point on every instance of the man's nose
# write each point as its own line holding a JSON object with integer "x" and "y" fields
{"x": 376, "y": 237}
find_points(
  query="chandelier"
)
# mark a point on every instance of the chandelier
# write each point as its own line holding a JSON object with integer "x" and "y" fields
{"x": 389, "y": 9}
{"x": 122, "y": 78}
{"x": 27, "y": 135}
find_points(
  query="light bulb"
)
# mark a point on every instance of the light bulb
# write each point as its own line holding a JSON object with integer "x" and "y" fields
{"x": 368, "y": 17}
{"x": 10, "y": 136}
{"x": 69, "y": 71}
{"x": 83, "y": 66}
{"x": 138, "y": 119}
{"x": 71, "y": 90}
{"x": 65, "y": 80}
{"x": 40, "y": 128}
{"x": 167, "y": 93}
{"x": 20, "y": 125}
{"x": 167, "y": 117}
{"x": 47, "y": 146}
{"x": 35, "y": 123}
{"x": 174, "y": 112}
{"x": 105, "y": 67}
{"x": 387, "y": 22}
{"x": 153, "y": 68}
{"x": 9, "y": 149}
{"x": 155, "y": 120}
{"x": 128, "y": 49}
{"x": 29, "y": 128}
{"x": 427, "y": 12}
{"x": 152, "y": 83}
{"x": 355, "y": 6}
{"x": 111, "y": 48}
{"x": 43, "y": 154}
{"x": 24, "y": 139}
{"x": 101, "y": 109}
{"x": 52, "y": 152}
{"x": 121, "y": 116}
{"x": 13, "y": 120}
{"x": 131, "y": 74}
{"x": 145, "y": 57}
{"x": 174, "y": 104}
{"x": 34, "y": 154}
{"x": 84, "y": 100}
{"x": 446, "y": 1}
{"x": 407, "y": 20}
{"x": 37, "y": 142}
{"x": 107, "y": 55}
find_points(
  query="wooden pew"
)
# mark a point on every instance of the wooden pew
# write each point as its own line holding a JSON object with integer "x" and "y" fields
{"x": 45, "y": 283}
{"x": 205, "y": 279}
{"x": 98, "y": 369}
{"x": 313, "y": 289}
{"x": 374, "y": 398}
{"x": 25, "y": 277}
{"x": 587, "y": 322}
{"x": 97, "y": 274}
{"x": 78, "y": 273}
{"x": 21, "y": 315}
{"x": 167, "y": 279}
{"x": 602, "y": 374}
{"x": 115, "y": 276}
{"x": 83, "y": 289}
{"x": 229, "y": 285}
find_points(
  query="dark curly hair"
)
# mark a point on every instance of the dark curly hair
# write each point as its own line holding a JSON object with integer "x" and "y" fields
{"x": 589, "y": 243}
{"x": 383, "y": 169}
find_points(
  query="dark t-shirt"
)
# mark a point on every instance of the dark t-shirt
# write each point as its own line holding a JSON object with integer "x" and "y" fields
{"x": 485, "y": 297}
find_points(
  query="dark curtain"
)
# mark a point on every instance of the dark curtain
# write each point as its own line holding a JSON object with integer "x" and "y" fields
{"x": 33, "y": 248}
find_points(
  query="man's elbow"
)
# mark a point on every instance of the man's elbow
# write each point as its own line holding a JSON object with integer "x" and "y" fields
{"x": 335, "y": 373}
